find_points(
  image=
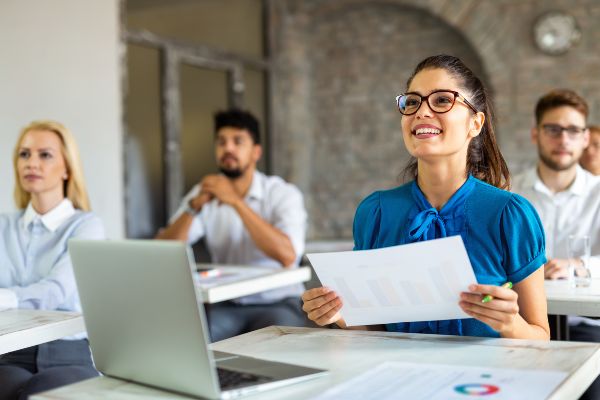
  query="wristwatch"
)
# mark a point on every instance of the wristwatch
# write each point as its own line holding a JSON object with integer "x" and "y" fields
{"x": 191, "y": 210}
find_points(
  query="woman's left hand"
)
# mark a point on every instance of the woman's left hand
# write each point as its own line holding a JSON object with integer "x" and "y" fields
{"x": 501, "y": 313}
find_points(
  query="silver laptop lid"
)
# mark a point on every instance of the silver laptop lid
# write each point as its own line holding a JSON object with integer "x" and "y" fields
{"x": 123, "y": 321}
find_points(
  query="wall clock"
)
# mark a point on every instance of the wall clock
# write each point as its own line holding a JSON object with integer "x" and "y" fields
{"x": 556, "y": 32}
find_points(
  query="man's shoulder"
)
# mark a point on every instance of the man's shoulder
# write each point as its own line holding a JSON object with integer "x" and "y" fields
{"x": 274, "y": 184}
{"x": 592, "y": 182}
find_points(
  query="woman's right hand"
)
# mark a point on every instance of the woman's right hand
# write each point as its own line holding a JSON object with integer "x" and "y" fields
{"x": 322, "y": 306}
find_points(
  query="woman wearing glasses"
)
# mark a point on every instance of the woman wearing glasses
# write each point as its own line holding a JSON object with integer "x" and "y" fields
{"x": 35, "y": 268}
{"x": 459, "y": 177}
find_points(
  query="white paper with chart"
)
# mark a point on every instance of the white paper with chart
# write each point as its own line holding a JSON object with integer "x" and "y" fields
{"x": 414, "y": 282}
{"x": 402, "y": 380}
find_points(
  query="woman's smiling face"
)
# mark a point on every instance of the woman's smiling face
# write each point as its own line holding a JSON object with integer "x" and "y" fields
{"x": 428, "y": 134}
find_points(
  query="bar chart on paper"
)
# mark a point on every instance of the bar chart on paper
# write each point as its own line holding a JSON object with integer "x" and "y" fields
{"x": 436, "y": 285}
{"x": 413, "y": 282}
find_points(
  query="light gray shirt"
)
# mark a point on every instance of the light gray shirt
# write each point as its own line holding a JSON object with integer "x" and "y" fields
{"x": 34, "y": 261}
{"x": 274, "y": 200}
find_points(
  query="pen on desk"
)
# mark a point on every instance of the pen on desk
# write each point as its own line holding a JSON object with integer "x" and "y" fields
{"x": 209, "y": 273}
{"x": 487, "y": 298}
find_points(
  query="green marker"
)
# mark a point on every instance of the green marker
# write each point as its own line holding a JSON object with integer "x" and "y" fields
{"x": 487, "y": 298}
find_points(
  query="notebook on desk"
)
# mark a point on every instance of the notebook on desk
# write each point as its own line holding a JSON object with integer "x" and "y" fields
{"x": 146, "y": 323}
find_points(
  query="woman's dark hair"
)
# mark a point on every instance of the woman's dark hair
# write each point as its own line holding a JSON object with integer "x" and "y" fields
{"x": 484, "y": 160}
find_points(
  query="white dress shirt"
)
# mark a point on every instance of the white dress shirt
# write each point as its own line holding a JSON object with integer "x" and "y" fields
{"x": 277, "y": 202}
{"x": 575, "y": 211}
{"x": 34, "y": 262}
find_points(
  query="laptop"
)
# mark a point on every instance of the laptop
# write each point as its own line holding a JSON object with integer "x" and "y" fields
{"x": 146, "y": 323}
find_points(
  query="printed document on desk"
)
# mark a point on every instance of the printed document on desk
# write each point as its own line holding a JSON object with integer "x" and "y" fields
{"x": 414, "y": 282}
{"x": 403, "y": 380}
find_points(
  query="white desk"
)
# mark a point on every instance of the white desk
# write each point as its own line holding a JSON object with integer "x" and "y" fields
{"x": 238, "y": 281}
{"x": 563, "y": 300}
{"x": 348, "y": 353}
{"x": 566, "y": 300}
{"x": 24, "y": 328}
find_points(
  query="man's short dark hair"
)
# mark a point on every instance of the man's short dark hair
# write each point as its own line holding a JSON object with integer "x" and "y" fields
{"x": 560, "y": 98}
{"x": 239, "y": 119}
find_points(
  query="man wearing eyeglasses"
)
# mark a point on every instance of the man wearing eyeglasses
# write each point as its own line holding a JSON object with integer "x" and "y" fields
{"x": 566, "y": 197}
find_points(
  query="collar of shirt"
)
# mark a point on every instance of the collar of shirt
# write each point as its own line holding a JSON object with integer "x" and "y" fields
{"x": 53, "y": 218}
{"x": 577, "y": 188}
{"x": 256, "y": 190}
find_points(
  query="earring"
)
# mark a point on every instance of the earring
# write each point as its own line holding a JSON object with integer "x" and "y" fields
{"x": 65, "y": 177}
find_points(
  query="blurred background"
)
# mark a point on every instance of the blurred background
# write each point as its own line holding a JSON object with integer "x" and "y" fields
{"x": 137, "y": 81}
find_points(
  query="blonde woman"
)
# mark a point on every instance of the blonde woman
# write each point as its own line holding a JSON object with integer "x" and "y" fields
{"x": 35, "y": 268}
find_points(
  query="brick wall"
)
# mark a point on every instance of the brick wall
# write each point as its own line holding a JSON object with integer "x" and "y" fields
{"x": 338, "y": 65}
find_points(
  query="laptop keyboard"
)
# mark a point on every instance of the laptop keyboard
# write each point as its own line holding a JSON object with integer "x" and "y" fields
{"x": 231, "y": 379}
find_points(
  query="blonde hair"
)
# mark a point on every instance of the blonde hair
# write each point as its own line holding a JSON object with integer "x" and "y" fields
{"x": 74, "y": 186}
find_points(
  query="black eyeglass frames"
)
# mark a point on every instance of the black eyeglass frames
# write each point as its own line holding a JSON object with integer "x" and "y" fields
{"x": 555, "y": 131}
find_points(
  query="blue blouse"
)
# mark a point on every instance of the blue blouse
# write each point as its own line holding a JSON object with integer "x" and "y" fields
{"x": 502, "y": 233}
